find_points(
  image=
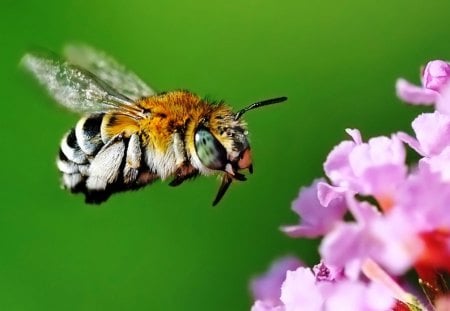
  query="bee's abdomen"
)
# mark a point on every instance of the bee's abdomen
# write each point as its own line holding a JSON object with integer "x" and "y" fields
{"x": 77, "y": 149}
{"x": 99, "y": 168}
{"x": 87, "y": 133}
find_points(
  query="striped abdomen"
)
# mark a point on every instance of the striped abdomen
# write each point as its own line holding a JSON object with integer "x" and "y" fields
{"x": 97, "y": 165}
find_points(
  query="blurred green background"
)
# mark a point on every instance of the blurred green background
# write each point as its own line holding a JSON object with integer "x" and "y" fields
{"x": 165, "y": 248}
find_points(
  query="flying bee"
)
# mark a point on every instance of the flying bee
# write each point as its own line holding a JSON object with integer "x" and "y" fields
{"x": 131, "y": 136}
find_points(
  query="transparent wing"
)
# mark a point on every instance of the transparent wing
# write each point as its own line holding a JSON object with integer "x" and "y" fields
{"x": 76, "y": 88}
{"x": 107, "y": 69}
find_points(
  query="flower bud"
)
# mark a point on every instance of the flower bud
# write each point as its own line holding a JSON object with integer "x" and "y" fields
{"x": 436, "y": 74}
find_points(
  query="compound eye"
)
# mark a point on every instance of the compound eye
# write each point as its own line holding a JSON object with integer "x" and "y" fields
{"x": 212, "y": 154}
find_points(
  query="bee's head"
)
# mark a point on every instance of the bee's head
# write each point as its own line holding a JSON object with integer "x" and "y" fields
{"x": 224, "y": 147}
{"x": 221, "y": 144}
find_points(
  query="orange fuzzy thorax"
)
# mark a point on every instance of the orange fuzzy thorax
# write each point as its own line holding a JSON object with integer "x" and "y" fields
{"x": 175, "y": 111}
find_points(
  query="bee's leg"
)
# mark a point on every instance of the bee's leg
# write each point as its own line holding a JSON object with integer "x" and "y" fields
{"x": 226, "y": 182}
{"x": 105, "y": 167}
{"x": 178, "y": 147}
{"x": 133, "y": 160}
{"x": 184, "y": 169}
{"x": 145, "y": 177}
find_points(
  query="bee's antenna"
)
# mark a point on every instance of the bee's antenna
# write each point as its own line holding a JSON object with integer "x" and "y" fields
{"x": 266, "y": 102}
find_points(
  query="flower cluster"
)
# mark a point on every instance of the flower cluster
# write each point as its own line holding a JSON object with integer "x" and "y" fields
{"x": 378, "y": 215}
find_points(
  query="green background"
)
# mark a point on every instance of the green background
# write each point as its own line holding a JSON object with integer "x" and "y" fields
{"x": 165, "y": 248}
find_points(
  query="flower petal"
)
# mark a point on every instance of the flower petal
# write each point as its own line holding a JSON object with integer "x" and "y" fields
{"x": 362, "y": 296}
{"x": 443, "y": 101}
{"x": 432, "y": 132}
{"x": 379, "y": 166}
{"x": 336, "y": 165}
{"x": 355, "y": 134}
{"x": 299, "y": 291}
{"x": 327, "y": 193}
{"x": 413, "y": 94}
{"x": 267, "y": 287}
{"x": 439, "y": 164}
{"x": 436, "y": 75}
{"x": 316, "y": 219}
{"x": 266, "y": 306}
{"x": 411, "y": 142}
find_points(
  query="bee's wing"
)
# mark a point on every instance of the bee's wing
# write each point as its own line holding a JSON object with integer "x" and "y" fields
{"x": 107, "y": 69}
{"x": 76, "y": 88}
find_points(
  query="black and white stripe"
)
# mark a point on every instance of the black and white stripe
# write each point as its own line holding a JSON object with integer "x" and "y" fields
{"x": 87, "y": 132}
{"x": 99, "y": 168}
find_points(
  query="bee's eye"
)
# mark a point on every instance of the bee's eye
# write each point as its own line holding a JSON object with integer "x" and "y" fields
{"x": 212, "y": 154}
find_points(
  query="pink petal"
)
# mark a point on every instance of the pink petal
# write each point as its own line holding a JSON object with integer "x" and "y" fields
{"x": 316, "y": 220}
{"x": 433, "y": 132}
{"x": 299, "y": 291}
{"x": 400, "y": 244}
{"x": 349, "y": 243}
{"x": 355, "y": 134}
{"x": 327, "y": 193}
{"x": 266, "y": 306}
{"x": 301, "y": 231}
{"x": 436, "y": 74}
{"x": 443, "y": 101}
{"x": 362, "y": 296}
{"x": 379, "y": 165}
{"x": 363, "y": 212}
{"x": 411, "y": 141}
{"x": 439, "y": 164}
{"x": 267, "y": 287}
{"x": 378, "y": 151}
{"x": 413, "y": 94}
{"x": 343, "y": 245}
{"x": 424, "y": 200}
{"x": 336, "y": 165}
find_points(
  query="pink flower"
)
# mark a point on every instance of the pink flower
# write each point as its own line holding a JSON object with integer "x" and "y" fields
{"x": 424, "y": 200}
{"x": 436, "y": 75}
{"x": 266, "y": 288}
{"x": 299, "y": 291}
{"x": 390, "y": 239}
{"x": 413, "y": 94}
{"x": 350, "y": 243}
{"x": 303, "y": 290}
{"x": 316, "y": 219}
{"x": 439, "y": 164}
{"x": 434, "y": 78}
{"x": 357, "y": 295}
{"x": 337, "y": 165}
{"x": 326, "y": 272}
{"x": 432, "y": 134}
{"x": 435, "y": 88}
{"x": 378, "y": 217}
{"x": 416, "y": 229}
{"x": 400, "y": 245}
{"x": 374, "y": 168}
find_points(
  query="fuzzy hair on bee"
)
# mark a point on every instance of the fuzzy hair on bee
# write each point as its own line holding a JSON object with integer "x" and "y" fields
{"x": 129, "y": 135}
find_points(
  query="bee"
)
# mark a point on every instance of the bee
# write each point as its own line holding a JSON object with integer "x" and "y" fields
{"x": 130, "y": 135}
